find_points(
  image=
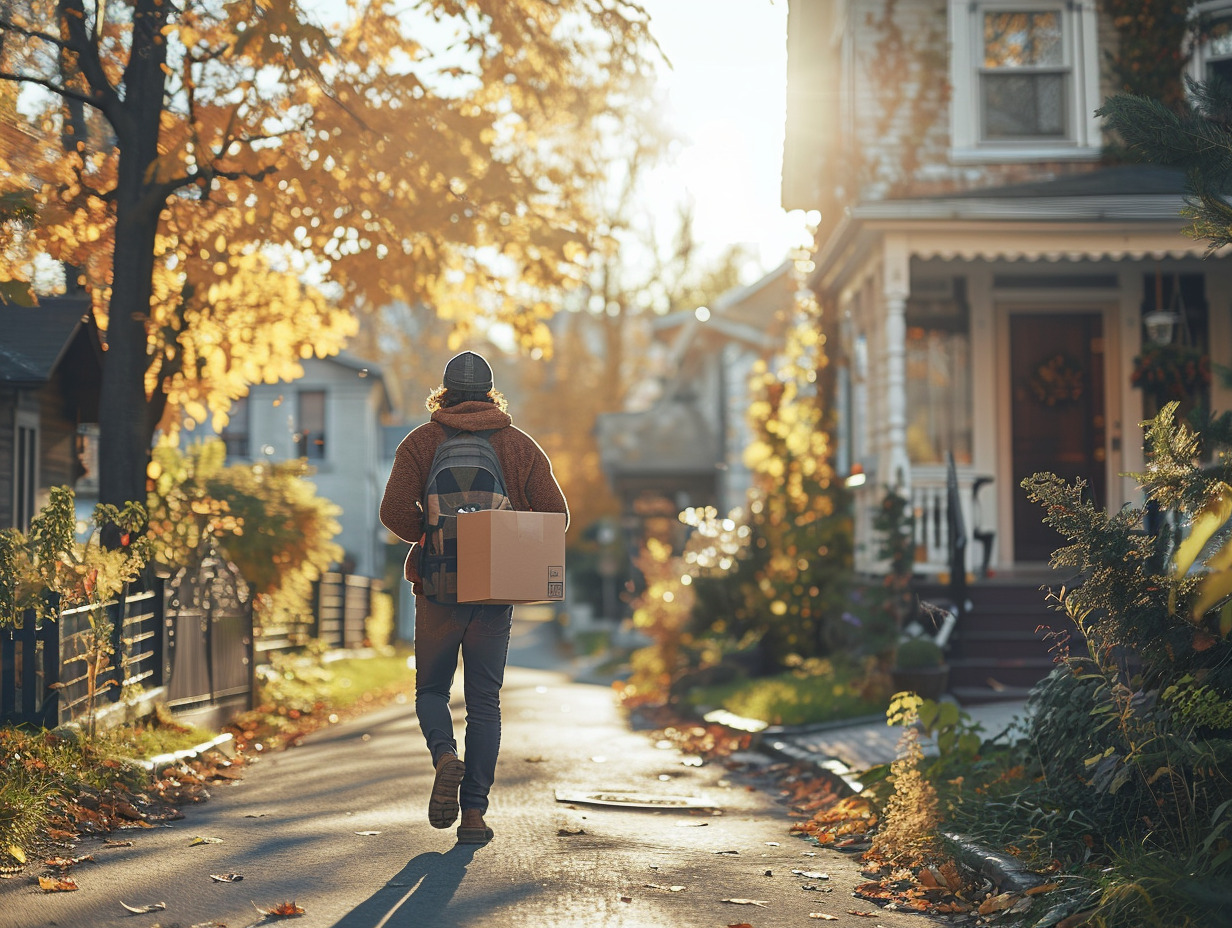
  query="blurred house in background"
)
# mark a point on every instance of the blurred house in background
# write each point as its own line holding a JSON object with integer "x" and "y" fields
{"x": 50, "y": 373}
{"x": 993, "y": 280}
{"x": 332, "y": 416}
{"x": 685, "y": 446}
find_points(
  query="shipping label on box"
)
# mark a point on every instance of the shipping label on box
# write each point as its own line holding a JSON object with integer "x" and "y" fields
{"x": 506, "y": 556}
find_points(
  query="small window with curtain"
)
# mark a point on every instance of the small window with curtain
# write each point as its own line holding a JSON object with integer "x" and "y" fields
{"x": 235, "y": 435}
{"x": 310, "y": 434}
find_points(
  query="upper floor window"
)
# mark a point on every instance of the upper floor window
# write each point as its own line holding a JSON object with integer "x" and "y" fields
{"x": 1024, "y": 75}
{"x": 235, "y": 435}
{"x": 1025, "y": 80}
{"x": 1212, "y": 55}
{"x": 310, "y": 435}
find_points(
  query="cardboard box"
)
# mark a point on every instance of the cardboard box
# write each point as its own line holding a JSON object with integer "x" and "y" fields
{"x": 511, "y": 557}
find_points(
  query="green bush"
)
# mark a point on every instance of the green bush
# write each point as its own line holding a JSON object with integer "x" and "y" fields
{"x": 919, "y": 653}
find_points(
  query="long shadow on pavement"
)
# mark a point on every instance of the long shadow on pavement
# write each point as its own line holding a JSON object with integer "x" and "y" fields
{"x": 417, "y": 894}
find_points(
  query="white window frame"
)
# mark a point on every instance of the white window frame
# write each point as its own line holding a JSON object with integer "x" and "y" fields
{"x": 1081, "y": 44}
{"x": 1220, "y": 9}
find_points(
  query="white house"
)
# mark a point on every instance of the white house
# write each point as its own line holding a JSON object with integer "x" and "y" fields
{"x": 332, "y": 416}
{"x": 989, "y": 273}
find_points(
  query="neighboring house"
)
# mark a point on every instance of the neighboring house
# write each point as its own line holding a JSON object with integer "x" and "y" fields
{"x": 990, "y": 276}
{"x": 50, "y": 374}
{"x": 992, "y": 281}
{"x": 332, "y": 416}
{"x": 687, "y": 445}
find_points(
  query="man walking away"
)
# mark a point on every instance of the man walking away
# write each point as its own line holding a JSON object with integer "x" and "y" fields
{"x": 465, "y": 402}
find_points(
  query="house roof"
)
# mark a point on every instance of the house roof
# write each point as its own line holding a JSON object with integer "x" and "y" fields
{"x": 1129, "y": 192}
{"x": 1115, "y": 181}
{"x": 36, "y": 338}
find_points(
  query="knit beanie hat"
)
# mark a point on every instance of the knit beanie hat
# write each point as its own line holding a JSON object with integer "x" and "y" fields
{"x": 468, "y": 372}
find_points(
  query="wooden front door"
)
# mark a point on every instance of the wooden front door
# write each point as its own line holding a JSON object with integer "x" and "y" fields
{"x": 1057, "y": 410}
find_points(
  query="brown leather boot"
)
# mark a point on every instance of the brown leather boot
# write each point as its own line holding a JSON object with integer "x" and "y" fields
{"x": 473, "y": 830}
{"x": 443, "y": 805}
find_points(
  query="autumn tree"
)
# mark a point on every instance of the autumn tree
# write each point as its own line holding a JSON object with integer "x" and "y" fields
{"x": 237, "y": 178}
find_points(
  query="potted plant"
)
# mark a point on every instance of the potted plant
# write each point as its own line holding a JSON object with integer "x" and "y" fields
{"x": 920, "y": 667}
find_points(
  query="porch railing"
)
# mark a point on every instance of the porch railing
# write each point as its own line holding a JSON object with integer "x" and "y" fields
{"x": 929, "y": 505}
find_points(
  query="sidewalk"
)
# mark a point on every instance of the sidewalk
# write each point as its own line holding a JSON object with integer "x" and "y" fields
{"x": 848, "y": 747}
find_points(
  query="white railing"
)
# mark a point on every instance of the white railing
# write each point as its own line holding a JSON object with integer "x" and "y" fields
{"x": 931, "y": 522}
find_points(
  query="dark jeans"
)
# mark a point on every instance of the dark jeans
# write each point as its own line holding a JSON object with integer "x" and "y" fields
{"x": 482, "y": 633}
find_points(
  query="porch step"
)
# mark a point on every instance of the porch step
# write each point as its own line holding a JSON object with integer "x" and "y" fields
{"x": 980, "y": 695}
{"x": 1001, "y": 647}
{"x": 1004, "y": 671}
{"x": 998, "y": 642}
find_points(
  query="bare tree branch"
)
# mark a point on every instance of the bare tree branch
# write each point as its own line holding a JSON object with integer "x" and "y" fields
{"x": 7, "y": 25}
{"x": 72, "y": 15}
{"x": 66, "y": 92}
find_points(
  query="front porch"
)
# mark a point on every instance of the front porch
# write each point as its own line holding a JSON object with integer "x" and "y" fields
{"x": 1002, "y": 330}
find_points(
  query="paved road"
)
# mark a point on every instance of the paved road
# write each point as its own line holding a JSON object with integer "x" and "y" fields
{"x": 290, "y": 829}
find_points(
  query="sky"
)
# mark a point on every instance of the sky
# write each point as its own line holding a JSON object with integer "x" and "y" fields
{"x": 726, "y": 97}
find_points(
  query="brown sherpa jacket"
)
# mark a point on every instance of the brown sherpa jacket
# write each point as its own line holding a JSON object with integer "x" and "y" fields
{"x": 528, "y": 472}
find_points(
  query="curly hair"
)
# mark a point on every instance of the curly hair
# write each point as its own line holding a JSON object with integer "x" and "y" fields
{"x": 443, "y": 397}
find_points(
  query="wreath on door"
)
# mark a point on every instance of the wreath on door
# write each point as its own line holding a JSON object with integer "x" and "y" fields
{"x": 1058, "y": 380}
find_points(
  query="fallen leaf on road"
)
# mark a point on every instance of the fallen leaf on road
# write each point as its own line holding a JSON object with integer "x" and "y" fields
{"x": 63, "y": 863}
{"x": 997, "y": 903}
{"x": 200, "y": 840}
{"x": 626, "y": 898}
{"x": 282, "y": 910}
{"x": 211, "y": 924}
{"x": 534, "y": 760}
{"x": 569, "y": 832}
{"x": 367, "y": 832}
{"x": 256, "y": 815}
{"x": 861, "y": 914}
{"x": 51, "y": 884}
{"x": 812, "y": 874}
{"x": 666, "y": 889}
{"x": 693, "y": 825}
{"x": 145, "y": 909}
{"x": 772, "y": 844}
{"x": 113, "y": 844}
{"x": 757, "y": 902}
{"x": 829, "y": 918}
{"x": 1046, "y": 888}
{"x": 739, "y": 925}
{"x": 728, "y": 853}
{"x": 225, "y": 877}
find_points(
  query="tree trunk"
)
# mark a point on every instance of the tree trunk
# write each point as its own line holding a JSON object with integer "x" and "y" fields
{"x": 125, "y": 429}
{"x": 126, "y": 425}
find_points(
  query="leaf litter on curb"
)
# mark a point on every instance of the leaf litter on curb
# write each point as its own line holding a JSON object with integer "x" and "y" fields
{"x": 282, "y": 910}
{"x": 144, "y": 909}
{"x": 52, "y": 884}
{"x": 64, "y": 863}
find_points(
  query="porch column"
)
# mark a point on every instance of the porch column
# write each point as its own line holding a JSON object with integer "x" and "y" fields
{"x": 894, "y": 467}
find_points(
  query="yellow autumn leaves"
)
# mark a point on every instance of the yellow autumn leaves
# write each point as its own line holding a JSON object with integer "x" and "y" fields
{"x": 1216, "y": 584}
